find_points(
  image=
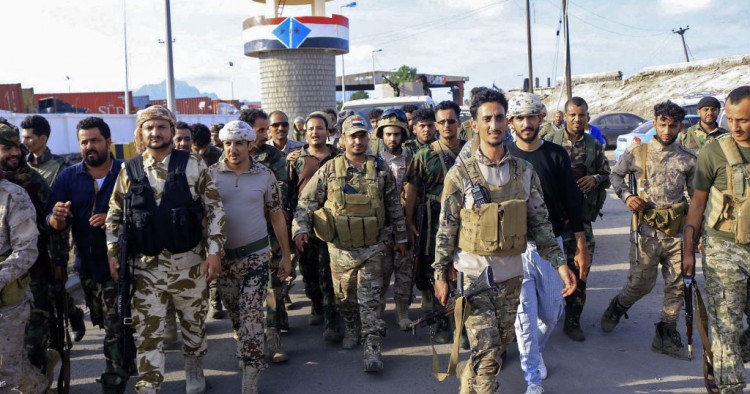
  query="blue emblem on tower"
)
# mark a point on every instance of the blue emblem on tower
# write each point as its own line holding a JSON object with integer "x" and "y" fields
{"x": 291, "y": 32}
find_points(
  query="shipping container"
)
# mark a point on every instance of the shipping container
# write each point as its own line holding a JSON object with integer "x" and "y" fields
{"x": 191, "y": 105}
{"x": 11, "y": 97}
{"x": 226, "y": 107}
{"x": 94, "y": 103}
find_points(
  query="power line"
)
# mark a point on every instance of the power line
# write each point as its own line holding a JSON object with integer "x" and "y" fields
{"x": 614, "y": 21}
{"x": 611, "y": 31}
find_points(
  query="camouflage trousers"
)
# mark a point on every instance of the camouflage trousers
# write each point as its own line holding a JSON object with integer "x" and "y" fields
{"x": 655, "y": 248}
{"x": 401, "y": 268}
{"x": 490, "y": 328}
{"x": 276, "y": 315}
{"x": 15, "y": 369}
{"x": 189, "y": 291}
{"x": 243, "y": 283}
{"x": 727, "y": 269}
{"x": 315, "y": 266}
{"x": 36, "y": 339}
{"x": 576, "y": 300}
{"x": 101, "y": 299}
{"x": 358, "y": 282}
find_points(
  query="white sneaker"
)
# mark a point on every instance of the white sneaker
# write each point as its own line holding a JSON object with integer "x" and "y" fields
{"x": 542, "y": 368}
{"x": 534, "y": 389}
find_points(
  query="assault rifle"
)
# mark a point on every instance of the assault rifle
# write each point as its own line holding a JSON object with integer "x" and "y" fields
{"x": 61, "y": 338}
{"x": 635, "y": 221}
{"x": 419, "y": 245}
{"x": 394, "y": 86}
{"x": 485, "y": 281}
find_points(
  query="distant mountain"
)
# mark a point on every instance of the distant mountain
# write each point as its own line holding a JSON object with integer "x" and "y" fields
{"x": 182, "y": 90}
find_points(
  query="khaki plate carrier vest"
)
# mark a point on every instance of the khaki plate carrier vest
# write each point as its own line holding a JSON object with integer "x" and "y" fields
{"x": 729, "y": 210}
{"x": 356, "y": 218}
{"x": 499, "y": 227}
{"x": 668, "y": 219}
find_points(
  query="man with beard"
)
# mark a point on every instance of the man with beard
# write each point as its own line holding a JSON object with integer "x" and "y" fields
{"x": 555, "y": 125}
{"x": 277, "y": 318}
{"x": 707, "y": 130}
{"x": 424, "y": 130}
{"x": 664, "y": 172}
{"x": 470, "y": 240}
{"x": 170, "y": 191}
{"x": 299, "y": 129}
{"x": 248, "y": 190}
{"x": 349, "y": 202}
{"x": 80, "y": 200}
{"x": 278, "y": 127}
{"x": 392, "y": 130}
{"x": 591, "y": 170}
{"x": 542, "y": 303}
{"x": 423, "y": 186}
{"x": 314, "y": 259}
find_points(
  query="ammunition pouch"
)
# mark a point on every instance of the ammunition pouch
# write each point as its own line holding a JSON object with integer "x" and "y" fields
{"x": 669, "y": 220}
{"x": 14, "y": 291}
{"x": 494, "y": 229}
{"x": 729, "y": 211}
{"x": 323, "y": 224}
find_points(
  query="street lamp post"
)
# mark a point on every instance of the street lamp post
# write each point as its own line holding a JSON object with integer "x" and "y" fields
{"x": 170, "y": 65}
{"x": 343, "y": 69}
{"x": 373, "y": 66}
{"x": 231, "y": 78}
{"x": 68, "y": 78}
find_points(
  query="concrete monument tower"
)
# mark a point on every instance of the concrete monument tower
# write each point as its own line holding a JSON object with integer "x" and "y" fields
{"x": 297, "y": 55}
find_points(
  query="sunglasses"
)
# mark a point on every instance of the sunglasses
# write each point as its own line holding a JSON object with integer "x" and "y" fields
{"x": 280, "y": 124}
{"x": 448, "y": 121}
{"x": 389, "y": 113}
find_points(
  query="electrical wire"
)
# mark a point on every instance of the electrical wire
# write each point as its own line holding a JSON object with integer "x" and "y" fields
{"x": 611, "y": 20}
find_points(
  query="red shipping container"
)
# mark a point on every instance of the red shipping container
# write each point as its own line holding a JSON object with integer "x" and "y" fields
{"x": 11, "y": 97}
{"x": 189, "y": 106}
{"x": 93, "y": 102}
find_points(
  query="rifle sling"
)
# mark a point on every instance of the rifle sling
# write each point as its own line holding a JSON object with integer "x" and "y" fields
{"x": 703, "y": 327}
{"x": 460, "y": 314}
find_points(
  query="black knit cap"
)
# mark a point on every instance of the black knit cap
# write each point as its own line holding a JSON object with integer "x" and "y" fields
{"x": 709, "y": 102}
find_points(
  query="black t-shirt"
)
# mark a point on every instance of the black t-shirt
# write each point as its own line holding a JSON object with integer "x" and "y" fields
{"x": 561, "y": 194}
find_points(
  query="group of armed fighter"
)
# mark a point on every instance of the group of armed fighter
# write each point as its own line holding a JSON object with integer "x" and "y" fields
{"x": 492, "y": 216}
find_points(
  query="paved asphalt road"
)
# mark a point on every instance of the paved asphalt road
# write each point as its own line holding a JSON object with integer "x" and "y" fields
{"x": 620, "y": 362}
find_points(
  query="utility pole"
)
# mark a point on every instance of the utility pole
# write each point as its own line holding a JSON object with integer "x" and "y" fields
{"x": 566, "y": 27}
{"x": 125, "y": 44}
{"x": 681, "y": 32}
{"x": 528, "y": 42}
{"x": 170, "y": 66}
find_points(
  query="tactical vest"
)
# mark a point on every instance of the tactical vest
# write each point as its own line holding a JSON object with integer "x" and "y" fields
{"x": 175, "y": 223}
{"x": 729, "y": 210}
{"x": 593, "y": 201}
{"x": 499, "y": 227}
{"x": 356, "y": 218}
{"x": 668, "y": 219}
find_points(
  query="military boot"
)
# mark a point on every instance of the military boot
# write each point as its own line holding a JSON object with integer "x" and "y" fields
{"x": 273, "y": 345}
{"x": 195, "y": 382}
{"x": 443, "y": 332}
{"x": 113, "y": 383}
{"x": 612, "y": 315}
{"x": 667, "y": 341}
{"x": 77, "y": 324}
{"x": 351, "y": 333}
{"x": 170, "y": 327}
{"x": 402, "y": 315}
{"x": 466, "y": 378}
{"x": 572, "y": 326}
{"x": 316, "y": 314}
{"x": 371, "y": 355}
{"x": 745, "y": 345}
{"x": 331, "y": 333}
{"x": 250, "y": 376}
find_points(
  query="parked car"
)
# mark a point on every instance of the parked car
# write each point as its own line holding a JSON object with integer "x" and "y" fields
{"x": 613, "y": 124}
{"x": 645, "y": 132}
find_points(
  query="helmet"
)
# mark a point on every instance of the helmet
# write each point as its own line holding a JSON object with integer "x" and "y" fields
{"x": 393, "y": 117}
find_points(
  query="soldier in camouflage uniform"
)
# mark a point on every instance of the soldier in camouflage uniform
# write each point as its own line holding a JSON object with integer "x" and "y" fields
{"x": 423, "y": 184}
{"x": 314, "y": 258}
{"x": 274, "y": 160}
{"x": 553, "y": 126}
{"x": 705, "y": 131}
{"x": 184, "y": 275}
{"x": 719, "y": 181}
{"x": 509, "y": 184}
{"x": 298, "y": 131}
{"x": 18, "y": 251}
{"x": 359, "y": 199}
{"x": 393, "y": 131}
{"x": 247, "y": 190}
{"x": 664, "y": 171}
{"x": 424, "y": 130}
{"x": 591, "y": 170}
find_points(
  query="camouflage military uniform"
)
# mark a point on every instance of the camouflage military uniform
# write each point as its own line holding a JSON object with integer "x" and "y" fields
{"x": 275, "y": 161}
{"x": 492, "y": 313}
{"x": 695, "y": 137}
{"x": 401, "y": 266}
{"x": 599, "y": 169}
{"x": 465, "y": 132}
{"x": 180, "y": 275}
{"x": 549, "y": 128}
{"x": 669, "y": 174}
{"x": 48, "y": 165}
{"x": 315, "y": 260}
{"x": 357, "y": 273}
{"x": 412, "y": 146}
{"x": 18, "y": 233}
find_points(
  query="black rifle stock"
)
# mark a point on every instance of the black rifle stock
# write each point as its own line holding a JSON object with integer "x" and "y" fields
{"x": 60, "y": 338}
{"x": 125, "y": 290}
{"x": 485, "y": 281}
{"x": 419, "y": 246}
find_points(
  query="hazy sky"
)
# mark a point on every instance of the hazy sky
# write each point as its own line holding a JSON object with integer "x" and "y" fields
{"x": 46, "y": 40}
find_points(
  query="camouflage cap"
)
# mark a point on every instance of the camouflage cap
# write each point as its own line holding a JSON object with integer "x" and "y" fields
{"x": 354, "y": 124}
{"x": 237, "y": 130}
{"x": 9, "y": 135}
{"x": 524, "y": 104}
{"x": 155, "y": 112}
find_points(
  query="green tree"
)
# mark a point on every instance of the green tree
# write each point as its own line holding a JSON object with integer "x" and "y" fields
{"x": 404, "y": 74}
{"x": 359, "y": 94}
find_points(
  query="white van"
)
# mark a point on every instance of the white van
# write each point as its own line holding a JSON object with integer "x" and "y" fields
{"x": 364, "y": 106}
